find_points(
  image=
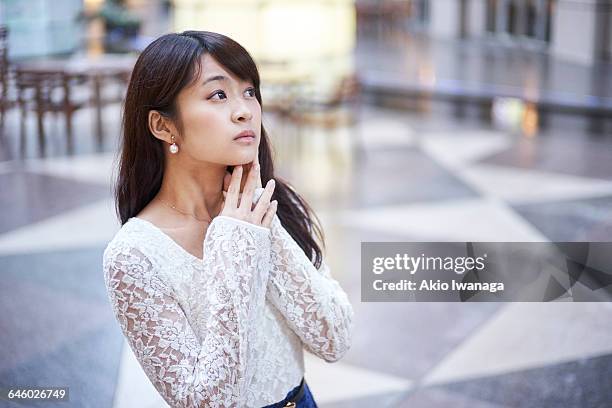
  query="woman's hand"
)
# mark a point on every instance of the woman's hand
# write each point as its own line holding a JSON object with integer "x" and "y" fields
{"x": 247, "y": 167}
{"x": 239, "y": 206}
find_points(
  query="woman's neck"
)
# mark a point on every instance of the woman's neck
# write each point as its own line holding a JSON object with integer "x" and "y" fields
{"x": 196, "y": 192}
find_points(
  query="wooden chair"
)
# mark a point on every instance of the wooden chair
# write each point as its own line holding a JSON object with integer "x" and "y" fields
{"x": 339, "y": 108}
{"x": 54, "y": 92}
{"x": 324, "y": 109}
{"x": 108, "y": 88}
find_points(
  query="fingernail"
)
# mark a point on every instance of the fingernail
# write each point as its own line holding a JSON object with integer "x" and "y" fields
{"x": 257, "y": 167}
{"x": 271, "y": 182}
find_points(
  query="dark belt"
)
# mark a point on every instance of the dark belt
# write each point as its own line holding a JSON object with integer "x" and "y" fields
{"x": 292, "y": 402}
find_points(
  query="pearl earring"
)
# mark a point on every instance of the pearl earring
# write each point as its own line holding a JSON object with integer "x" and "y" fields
{"x": 174, "y": 147}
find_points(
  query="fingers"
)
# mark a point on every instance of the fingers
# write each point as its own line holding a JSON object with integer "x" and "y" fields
{"x": 246, "y": 200}
{"x": 239, "y": 204}
{"x": 227, "y": 180}
{"x": 231, "y": 198}
{"x": 270, "y": 212}
{"x": 264, "y": 201}
{"x": 256, "y": 162}
{"x": 257, "y": 195}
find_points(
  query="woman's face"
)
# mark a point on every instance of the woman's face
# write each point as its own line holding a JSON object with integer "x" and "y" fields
{"x": 214, "y": 109}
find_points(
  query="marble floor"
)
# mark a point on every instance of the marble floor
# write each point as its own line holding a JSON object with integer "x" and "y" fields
{"x": 397, "y": 176}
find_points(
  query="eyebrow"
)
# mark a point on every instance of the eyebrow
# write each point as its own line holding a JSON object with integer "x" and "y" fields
{"x": 215, "y": 78}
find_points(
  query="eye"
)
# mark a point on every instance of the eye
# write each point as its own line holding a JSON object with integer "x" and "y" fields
{"x": 250, "y": 92}
{"x": 220, "y": 93}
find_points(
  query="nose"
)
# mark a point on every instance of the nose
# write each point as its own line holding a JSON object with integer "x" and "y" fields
{"x": 241, "y": 113}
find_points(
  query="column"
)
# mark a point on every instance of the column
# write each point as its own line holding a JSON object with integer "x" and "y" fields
{"x": 578, "y": 30}
{"x": 445, "y": 18}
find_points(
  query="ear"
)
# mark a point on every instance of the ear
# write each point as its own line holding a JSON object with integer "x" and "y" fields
{"x": 161, "y": 127}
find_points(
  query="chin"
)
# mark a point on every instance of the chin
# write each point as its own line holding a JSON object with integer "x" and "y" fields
{"x": 245, "y": 158}
{"x": 239, "y": 162}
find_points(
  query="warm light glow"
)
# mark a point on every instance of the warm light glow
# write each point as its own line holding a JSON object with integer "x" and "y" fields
{"x": 310, "y": 36}
{"x": 427, "y": 75}
{"x": 530, "y": 120}
{"x": 93, "y": 4}
{"x": 531, "y": 87}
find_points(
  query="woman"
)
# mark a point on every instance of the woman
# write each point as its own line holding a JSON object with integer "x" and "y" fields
{"x": 218, "y": 284}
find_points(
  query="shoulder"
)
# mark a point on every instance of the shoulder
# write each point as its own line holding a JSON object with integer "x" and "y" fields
{"x": 129, "y": 245}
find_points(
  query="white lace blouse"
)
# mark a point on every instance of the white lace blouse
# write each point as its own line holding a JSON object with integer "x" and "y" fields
{"x": 227, "y": 330}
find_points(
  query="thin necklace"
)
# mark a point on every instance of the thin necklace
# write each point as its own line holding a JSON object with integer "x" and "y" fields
{"x": 183, "y": 212}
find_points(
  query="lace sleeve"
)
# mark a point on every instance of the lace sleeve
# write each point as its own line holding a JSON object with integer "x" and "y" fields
{"x": 313, "y": 303}
{"x": 208, "y": 365}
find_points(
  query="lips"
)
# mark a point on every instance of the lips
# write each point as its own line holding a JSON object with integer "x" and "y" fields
{"x": 245, "y": 134}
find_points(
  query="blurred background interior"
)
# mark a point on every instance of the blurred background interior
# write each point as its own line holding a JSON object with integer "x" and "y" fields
{"x": 398, "y": 120}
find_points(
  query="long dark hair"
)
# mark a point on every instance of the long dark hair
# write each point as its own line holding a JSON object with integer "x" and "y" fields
{"x": 163, "y": 69}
